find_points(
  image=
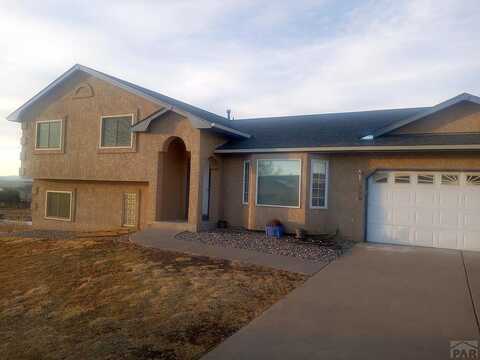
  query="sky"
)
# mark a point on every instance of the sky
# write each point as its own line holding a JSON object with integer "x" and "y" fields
{"x": 259, "y": 58}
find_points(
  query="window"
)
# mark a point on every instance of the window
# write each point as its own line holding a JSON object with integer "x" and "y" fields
{"x": 116, "y": 131}
{"x": 402, "y": 179}
{"x": 473, "y": 180}
{"x": 130, "y": 209}
{"x": 425, "y": 179}
{"x": 246, "y": 182}
{"x": 49, "y": 134}
{"x": 449, "y": 179}
{"x": 278, "y": 183}
{"x": 318, "y": 183}
{"x": 380, "y": 178}
{"x": 59, "y": 205}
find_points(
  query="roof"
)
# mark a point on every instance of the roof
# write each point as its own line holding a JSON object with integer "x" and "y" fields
{"x": 334, "y": 129}
{"x": 359, "y": 130}
{"x": 364, "y": 130}
{"x": 199, "y": 117}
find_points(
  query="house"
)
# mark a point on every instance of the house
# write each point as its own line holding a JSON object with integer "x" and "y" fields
{"x": 105, "y": 153}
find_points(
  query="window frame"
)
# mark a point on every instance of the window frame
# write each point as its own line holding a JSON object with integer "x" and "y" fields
{"x": 71, "y": 205}
{"x": 131, "y": 115}
{"x": 60, "y": 146}
{"x": 327, "y": 166}
{"x": 246, "y": 181}
{"x": 299, "y": 160}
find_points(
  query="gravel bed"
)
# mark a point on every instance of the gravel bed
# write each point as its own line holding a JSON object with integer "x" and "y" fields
{"x": 255, "y": 240}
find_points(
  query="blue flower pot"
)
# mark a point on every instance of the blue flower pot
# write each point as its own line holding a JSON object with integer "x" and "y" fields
{"x": 274, "y": 231}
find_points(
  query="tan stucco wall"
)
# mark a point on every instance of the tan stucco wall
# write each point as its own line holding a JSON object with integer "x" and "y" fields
{"x": 347, "y": 189}
{"x": 96, "y": 205}
{"x": 82, "y": 159}
{"x": 461, "y": 118}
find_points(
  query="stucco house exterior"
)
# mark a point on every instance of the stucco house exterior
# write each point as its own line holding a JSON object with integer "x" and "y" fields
{"x": 105, "y": 153}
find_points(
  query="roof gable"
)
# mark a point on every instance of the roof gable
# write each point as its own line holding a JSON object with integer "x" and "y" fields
{"x": 427, "y": 112}
{"x": 200, "y": 118}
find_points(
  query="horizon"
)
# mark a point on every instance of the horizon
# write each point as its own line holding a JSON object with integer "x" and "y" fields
{"x": 281, "y": 59}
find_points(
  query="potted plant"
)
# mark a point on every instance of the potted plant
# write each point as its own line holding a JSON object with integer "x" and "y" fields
{"x": 274, "y": 228}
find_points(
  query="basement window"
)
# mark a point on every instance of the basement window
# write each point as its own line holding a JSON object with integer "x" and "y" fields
{"x": 58, "y": 205}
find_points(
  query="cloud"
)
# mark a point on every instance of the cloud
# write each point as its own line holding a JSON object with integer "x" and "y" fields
{"x": 258, "y": 57}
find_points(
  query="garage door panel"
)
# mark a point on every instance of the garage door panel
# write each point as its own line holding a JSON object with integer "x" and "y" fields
{"x": 472, "y": 240}
{"x": 425, "y": 198}
{"x": 424, "y": 237}
{"x": 472, "y": 200}
{"x": 450, "y": 239}
{"x": 434, "y": 214}
{"x": 472, "y": 221}
{"x": 425, "y": 217}
{"x": 450, "y": 197}
{"x": 402, "y": 196}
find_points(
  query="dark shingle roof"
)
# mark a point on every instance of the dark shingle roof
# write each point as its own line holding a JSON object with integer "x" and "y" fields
{"x": 335, "y": 129}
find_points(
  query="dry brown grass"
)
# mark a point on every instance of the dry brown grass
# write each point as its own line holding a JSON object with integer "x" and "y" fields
{"x": 102, "y": 299}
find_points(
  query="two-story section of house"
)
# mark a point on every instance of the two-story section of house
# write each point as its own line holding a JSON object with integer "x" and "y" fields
{"x": 105, "y": 153}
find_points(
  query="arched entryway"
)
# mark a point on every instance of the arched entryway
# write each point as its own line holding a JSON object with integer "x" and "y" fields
{"x": 175, "y": 181}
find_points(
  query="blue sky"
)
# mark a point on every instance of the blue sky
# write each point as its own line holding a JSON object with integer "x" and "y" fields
{"x": 258, "y": 57}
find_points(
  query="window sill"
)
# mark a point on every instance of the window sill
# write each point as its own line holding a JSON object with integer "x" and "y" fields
{"x": 279, "y": 206}
{"x": 48, "y": 151}
{"x": 116, "y": 150}
{"x": 57, "y": 219}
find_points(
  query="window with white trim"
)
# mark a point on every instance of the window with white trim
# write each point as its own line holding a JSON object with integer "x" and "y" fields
{"x": 246, "y": 182}
{"x": 278, "y": 183}
{"x": 318, "y": 183}
{"x": 49, "y": 134}
{"x": 58, "y": 205}
{"x": 115, "y": 131}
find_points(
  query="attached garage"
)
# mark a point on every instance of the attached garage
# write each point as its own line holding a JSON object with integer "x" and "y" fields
{"x": 433, "y": 209}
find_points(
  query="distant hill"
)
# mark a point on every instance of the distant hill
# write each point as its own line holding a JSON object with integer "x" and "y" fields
{"x": 22, "y": 185}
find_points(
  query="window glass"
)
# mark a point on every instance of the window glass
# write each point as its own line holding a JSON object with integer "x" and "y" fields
{"x": 381, "y": 178}
{"x": 318, "y": 193}
{"x": 49, "y": 135}
{"x": 58, "y": 205}
{"x": 116, "y": 131}
{"x": 473, "y": 180}
{"x": 449, "y": 179}
{"x": 246, "y": 185}
{"x": 278, "y": 182}
{"x": 425, "y": 178}
{"x": 402, "y": 179}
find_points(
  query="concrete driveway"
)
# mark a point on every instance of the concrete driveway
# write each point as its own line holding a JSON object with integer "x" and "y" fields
{"x": 379, "y": 302}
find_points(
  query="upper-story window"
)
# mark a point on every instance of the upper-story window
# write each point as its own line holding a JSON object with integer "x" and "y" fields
{"x": 115, "y": 131}
{"x": 49, "y": 135}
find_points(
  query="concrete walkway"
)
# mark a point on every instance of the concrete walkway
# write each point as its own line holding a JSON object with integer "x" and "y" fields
{"x": 165, "y": 240}
{"x": 379, "y": 302}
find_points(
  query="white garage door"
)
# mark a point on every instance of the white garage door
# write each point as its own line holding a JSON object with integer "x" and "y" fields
{"x": 435, "y": 209}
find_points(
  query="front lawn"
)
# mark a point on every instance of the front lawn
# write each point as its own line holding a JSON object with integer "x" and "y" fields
{"x": 94, "y": 298}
